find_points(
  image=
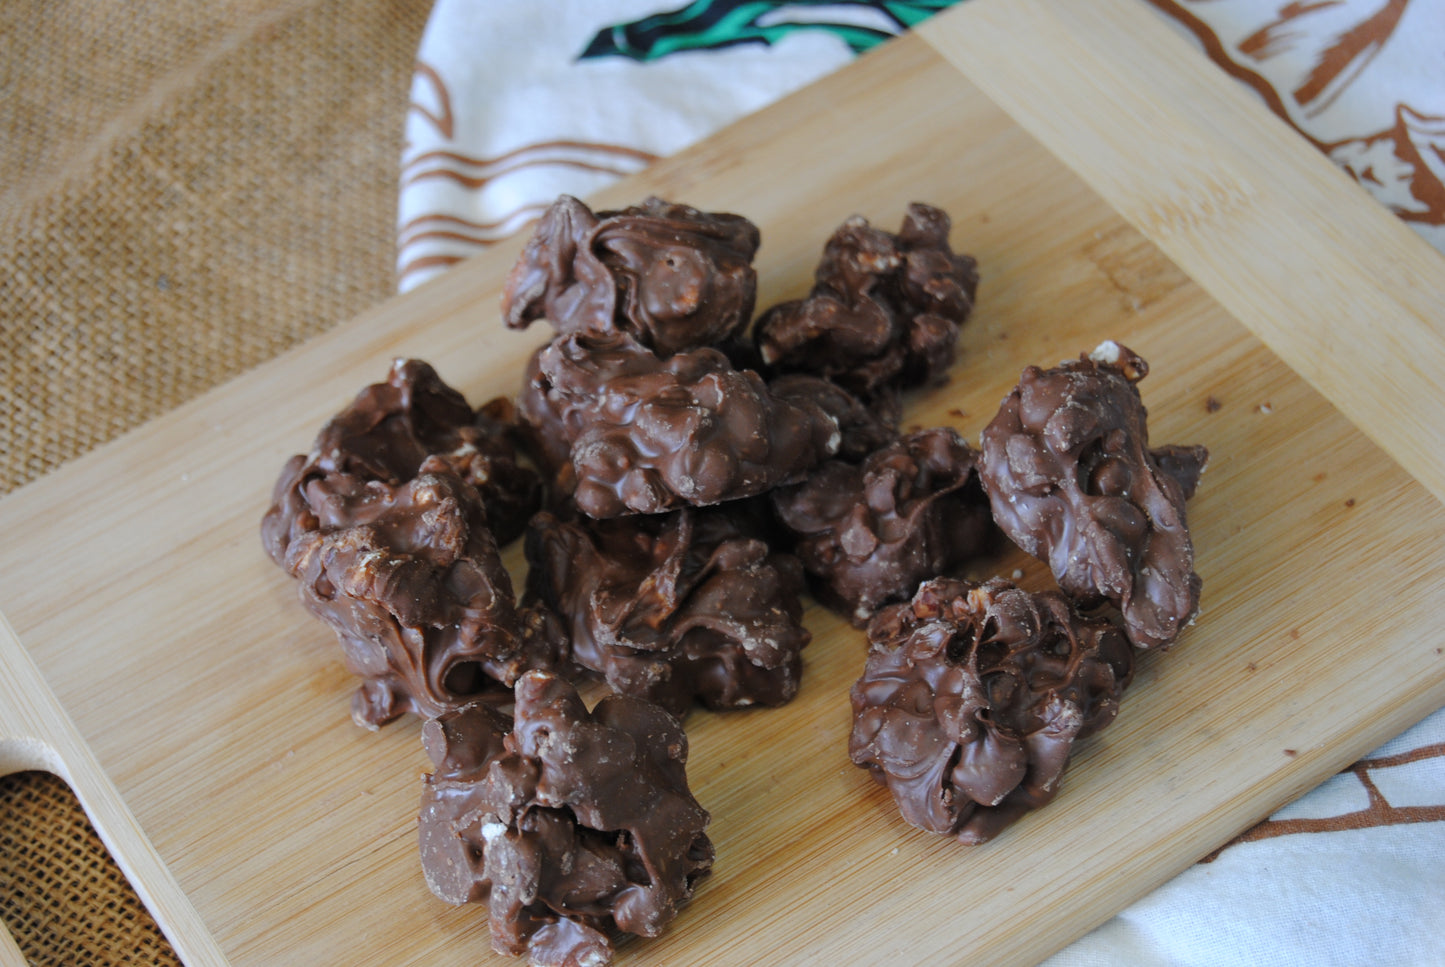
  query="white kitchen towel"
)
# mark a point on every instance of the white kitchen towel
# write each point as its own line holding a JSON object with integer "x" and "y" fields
{"x": 515, "y": 103}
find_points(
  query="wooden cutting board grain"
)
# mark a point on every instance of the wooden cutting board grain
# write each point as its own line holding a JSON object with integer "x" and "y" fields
{"x": 136, "y": 579}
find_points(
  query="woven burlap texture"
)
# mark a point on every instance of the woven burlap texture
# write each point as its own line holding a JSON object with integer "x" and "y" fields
{"x": 186, "y": 190}
{"x": 60, "y": 897}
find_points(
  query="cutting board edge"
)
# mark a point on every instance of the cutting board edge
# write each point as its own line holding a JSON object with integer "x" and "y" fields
{"x": 1240, "y": 215}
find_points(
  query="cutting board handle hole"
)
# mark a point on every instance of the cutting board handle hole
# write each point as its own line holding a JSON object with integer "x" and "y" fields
{"x": 62, "y": 896}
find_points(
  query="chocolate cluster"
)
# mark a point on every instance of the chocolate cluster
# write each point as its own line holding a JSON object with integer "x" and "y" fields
{"x": 646, "y": 434}
{"x": 884, "y": 313}
{"x": 973, "y": 696}
{"x": 669, "y": 276}
{"x": 1072, "y": 480}
{"x": 385, "y": 435}
{"x": 688, "y": 606}
{"x": 571, "y": 825}
{"x": 869, "y": 533}
{"x": 386, "y": 526}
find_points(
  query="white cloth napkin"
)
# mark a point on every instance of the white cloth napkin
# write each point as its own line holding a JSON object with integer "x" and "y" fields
{"x": 507, "y": 114}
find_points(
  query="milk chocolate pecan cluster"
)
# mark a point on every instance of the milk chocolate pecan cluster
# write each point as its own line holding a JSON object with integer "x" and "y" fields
{"x": 646, "y": 434}
{"x": 1072, "y": 480}
{"x": 386, "y": 434}
{"x": 885, "y": 309}
{"x": 386, "y": 527}
{"x": 690, "y": 605}
{"x": 869, "y": 533}
{"x": 569, "y": 824}
{"x": 670, "y": 276}
{"x": 973, "y": 696}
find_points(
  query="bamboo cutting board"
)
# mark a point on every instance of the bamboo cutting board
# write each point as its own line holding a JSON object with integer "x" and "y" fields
{"x": 1111, "y": 186}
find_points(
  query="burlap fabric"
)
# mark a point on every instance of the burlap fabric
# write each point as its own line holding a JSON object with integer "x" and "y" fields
{"x": 186, "y": 190}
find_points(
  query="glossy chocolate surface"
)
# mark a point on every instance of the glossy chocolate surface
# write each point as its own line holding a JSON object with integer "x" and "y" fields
{"x": 973, "y": 696}
{"x": 569, "y": 824}
{"x": 1072, "y": 480}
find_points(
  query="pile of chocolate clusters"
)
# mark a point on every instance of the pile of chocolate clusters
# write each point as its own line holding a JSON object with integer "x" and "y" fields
{"x": 679, "y": 483}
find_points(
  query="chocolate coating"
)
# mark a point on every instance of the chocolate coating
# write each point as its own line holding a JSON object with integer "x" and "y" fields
{"x": 386, "y": 433}
{"x": 1071, "y": 479}
{"x": 869, "y": 533}
{"x": 884, "y": 312}
{"x": 671, "y": 276}
{"x": 385, "y": 527}
{"x": 569, "y": 824}
{"x": 410, "y": 580}
{"x": 648, "y": 435}
{"x": 973, "y": 696}
{"x": 862, "y": 429}
{"x": 687, "y": 606}
{"x": 1185, "y": 464}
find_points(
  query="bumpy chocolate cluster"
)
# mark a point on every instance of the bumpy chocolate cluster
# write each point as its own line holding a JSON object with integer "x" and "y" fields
{"x": 670, "y": 276}
{"x": 973, "y": 696}
{"x": 1069, "y": 473}
{"x": 885, "y": 309}
{"x": 646, "y": 434}
{"x": 386, "y": 434}
{"x": 869, "y": 533}
{"x": 686, "y": 606}
{"x": 385, "y": 525}
{"x": 570, "y": 825}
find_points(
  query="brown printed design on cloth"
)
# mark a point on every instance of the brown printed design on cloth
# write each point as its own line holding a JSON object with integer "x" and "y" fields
{"x": 646, "y": 434}
{"x": 973, "y": 696}
{"x": 671, "y": 276}
{"x": 689, "y": 606}
{"x": 1068, "y": 470}
{"x": 1360, "y": 81}
{"x": 568, "y": 824}
{"x": 392, "y": 547}
{"x": 1379, "y": 811}
{"x": 868, "y": 534}
{"x": 479, "y": 176}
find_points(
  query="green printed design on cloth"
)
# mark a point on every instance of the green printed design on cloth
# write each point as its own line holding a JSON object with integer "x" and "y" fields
{"x": 715, "y": 24}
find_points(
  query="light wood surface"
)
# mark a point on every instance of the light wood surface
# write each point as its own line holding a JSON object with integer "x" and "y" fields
{"x": 36, "y": 733}
{"x": 136, "y": 580}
